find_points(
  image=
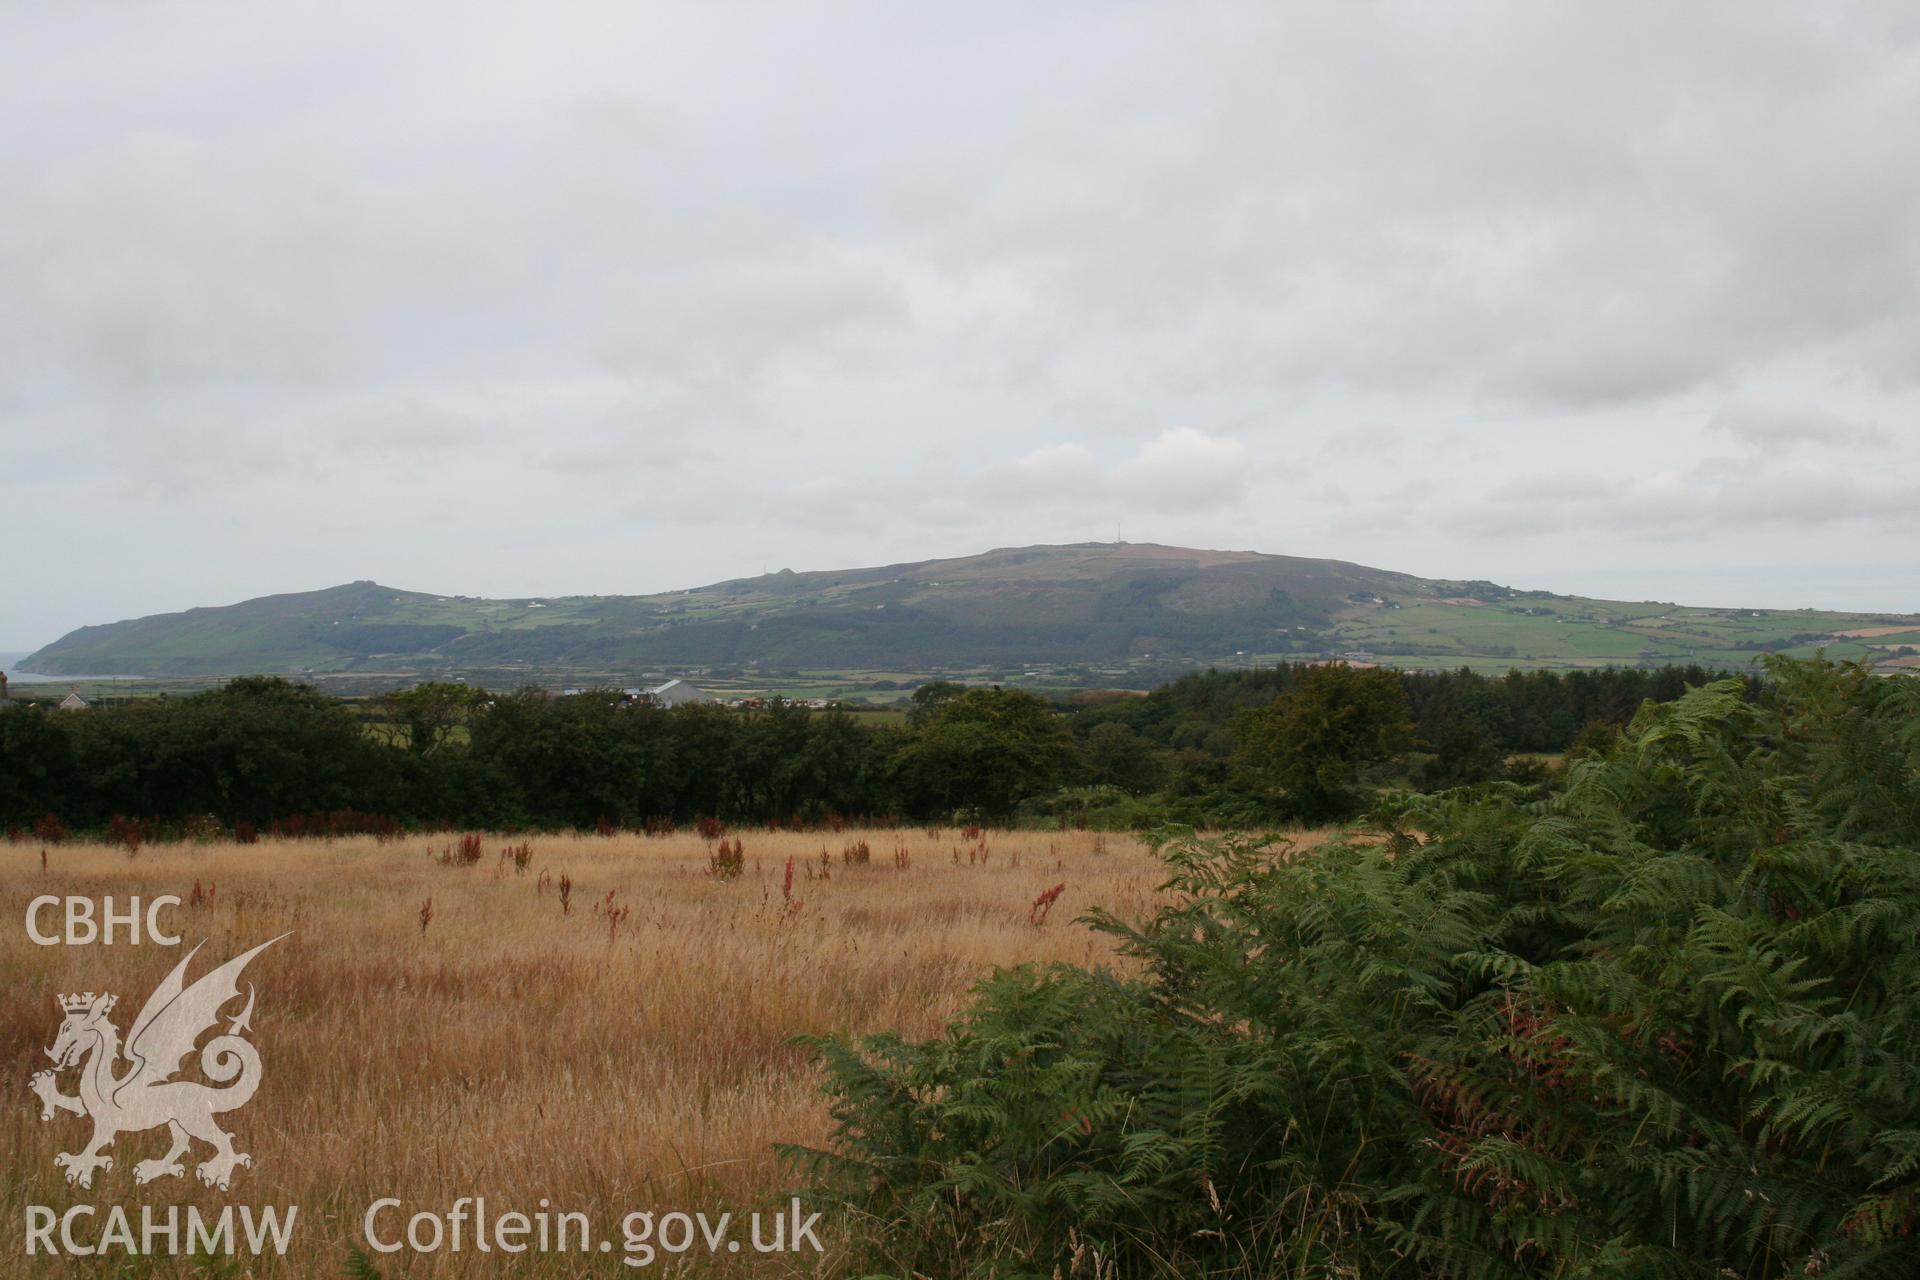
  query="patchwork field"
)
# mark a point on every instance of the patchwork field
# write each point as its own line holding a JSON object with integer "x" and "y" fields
{"x": 435, "y": 1029}
{"x": 1533, "y": 631}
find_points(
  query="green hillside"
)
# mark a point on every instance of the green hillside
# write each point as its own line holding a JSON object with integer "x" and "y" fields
{"x": 1051, "y": 606}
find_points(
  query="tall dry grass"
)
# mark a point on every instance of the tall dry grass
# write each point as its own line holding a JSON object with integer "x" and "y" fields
{"x": 439, "y": 1025}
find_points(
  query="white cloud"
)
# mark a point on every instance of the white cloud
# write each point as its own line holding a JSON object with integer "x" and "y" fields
{"x": 1185, "y": 469}
{"x": 1051, "y": 471}
{"x": 1180, "y": 470}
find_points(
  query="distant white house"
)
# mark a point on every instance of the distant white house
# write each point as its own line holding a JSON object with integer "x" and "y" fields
{"x": 675, "y": 693}
{"x": 73, "y": 702}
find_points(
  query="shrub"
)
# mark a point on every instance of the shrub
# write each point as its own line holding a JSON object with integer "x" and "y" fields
{"x": 128, "y": 832}
{"x": 1665, "y": 1022}
{"x": 1100, "y": 808}
{"x": 1043, "y": 905}
{"x": 466, "y": 854}
{"x": 727, "y": 860}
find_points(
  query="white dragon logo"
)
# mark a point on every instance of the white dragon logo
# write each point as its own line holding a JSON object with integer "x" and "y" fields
{"x": 145, "y": 1096}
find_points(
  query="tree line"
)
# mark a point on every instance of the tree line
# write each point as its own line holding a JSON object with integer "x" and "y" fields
{"x": 1299, "y": 741}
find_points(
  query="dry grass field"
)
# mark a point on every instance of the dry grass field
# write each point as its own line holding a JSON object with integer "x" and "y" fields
{"x": 626, "y": 1052}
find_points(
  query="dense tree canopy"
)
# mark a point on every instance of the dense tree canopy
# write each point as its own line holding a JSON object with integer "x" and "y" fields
{"x": 1313, "y": 741}
{"x": 1219, "y": 748}
{"x": 989, "y": 749}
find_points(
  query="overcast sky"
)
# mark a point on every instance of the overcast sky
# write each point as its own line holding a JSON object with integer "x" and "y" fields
{"x": 535, "y": 299}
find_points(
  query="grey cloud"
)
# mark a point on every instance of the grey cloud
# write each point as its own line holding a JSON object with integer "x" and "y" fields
{"x": 1827, "y": 495}
{"x": 1777, "y": 426}
{"x": 1729, "y": 500}
{"x": 1063, "y": 485}
{"x": 1563, "y": 488}
{"x": 1555, "y": 204}
{"x": 164, "y": 260}
{"x": 717, "y": 324}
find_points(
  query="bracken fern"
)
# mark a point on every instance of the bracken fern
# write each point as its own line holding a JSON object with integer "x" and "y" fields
{"x": 1664, "y": 1022}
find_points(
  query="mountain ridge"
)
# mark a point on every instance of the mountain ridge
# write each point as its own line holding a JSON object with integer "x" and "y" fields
{"x": 1072, "y": 604}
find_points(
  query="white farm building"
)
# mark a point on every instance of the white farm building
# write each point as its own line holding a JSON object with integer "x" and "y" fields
{"x": 673, "y": 693}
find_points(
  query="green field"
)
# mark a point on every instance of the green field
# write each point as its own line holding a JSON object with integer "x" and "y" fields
{"x": 1532, "y": 632}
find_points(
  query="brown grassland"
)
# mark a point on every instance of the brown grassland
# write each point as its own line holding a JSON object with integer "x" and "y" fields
{"x": 628, "y": 1051}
